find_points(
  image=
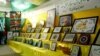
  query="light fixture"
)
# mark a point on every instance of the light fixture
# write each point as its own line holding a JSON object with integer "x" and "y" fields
{"x": 20, "y": 4}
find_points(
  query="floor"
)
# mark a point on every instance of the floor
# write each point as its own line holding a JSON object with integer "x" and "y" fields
{"x": 7, "y": 51}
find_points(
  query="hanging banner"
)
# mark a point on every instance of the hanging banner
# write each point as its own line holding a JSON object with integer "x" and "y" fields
{"x": 2, "y": 24}
{"x": 70, "y": 6}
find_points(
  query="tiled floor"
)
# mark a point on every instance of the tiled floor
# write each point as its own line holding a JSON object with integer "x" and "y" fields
{"x": 7, "y": 51}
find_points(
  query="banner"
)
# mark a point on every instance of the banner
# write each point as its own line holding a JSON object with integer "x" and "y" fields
{"x": 2, "y": 24}
{"x": 70, "y": 6}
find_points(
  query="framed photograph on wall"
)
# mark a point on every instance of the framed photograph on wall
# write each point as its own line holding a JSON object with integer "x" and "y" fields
{"x": 55, "y": 37}
{"x": 39, "y": 44}
{"x": 65, "y": 20}
{"x": 75, "y": 50}
{"x": 57, "y": 29}
{"x": 69, "y": 38}
{"x": 44, "y": 36}
{"x": 37, "y": 30}
{"x": 51, "y": 18}
{"x": 46, "y": 45}
{"x": 84, "y": 39}
{"x": 66, "y": 30}
{"x": 53, "y": 46}
{"x": 94, "y": 50}
{"x": 37, "y": 35}
{"x": 97, "y": 39}
{"x": 9, "y": 35}
{"x": 32, "y": 30}
{"x": 85, "y": 25}
{"x": 46, "y": 30}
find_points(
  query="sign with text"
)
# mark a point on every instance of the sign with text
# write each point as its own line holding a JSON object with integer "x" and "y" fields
{"x": 70, "y": 6}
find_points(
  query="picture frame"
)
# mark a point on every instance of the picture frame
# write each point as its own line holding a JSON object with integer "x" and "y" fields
{"x": 44, "y": 36}
{"x": 84, "y": 39}
{"x": 65, "y": 20}
{"x": 69, "y": 38}
{"x": 32, "y": 30}
{"x": 94, "y": 50}
{"x": 55, "y": 37}
{"x": 46, "y": 30}
{"x": 57, "y": 29}
{"x": 46, "y": 45}
{"x": 51, "y": 18}
{"x": 31, "y": 41}
{"x": 85, "y": 25}
{"x": 75, "y": 50}
{"x": 37, "y": 30}
{"x": 15, "y": 34}
{"x": 37, "y": 35}
{"x": 53, "y": 46}
{"x": 9, "y": 35}
{"x": 66, "y": 30}
{"x": 39, "y": 44}
{"x": 97, "y": 38}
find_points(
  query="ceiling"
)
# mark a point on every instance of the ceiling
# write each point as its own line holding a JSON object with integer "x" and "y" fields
{"x": 20, "y": 5}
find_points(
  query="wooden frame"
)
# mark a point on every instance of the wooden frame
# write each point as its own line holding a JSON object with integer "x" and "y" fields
{"x": 57, "y": 29}
{"x": 69, "y": 38}
{"x": 44, "y": 36}
{"x": 65, "y": 20}
{"x": 53, "y": 46}
{"x": 46, "y": 30}
{"x": 66, "y": 30}
{"x": 39, "y": 44}
{"x": 94, "y": 50}
{"x": 37, "y": 35}
{"x": 55, "y": 37}
{"x": 84, "y": 39}
{"x": 97, "y": 39}
{"x": 75, "y": 50}
{"x": 46, "y": 45}
{"x": 85, "y": 25}
{"x": 51, "y": 18}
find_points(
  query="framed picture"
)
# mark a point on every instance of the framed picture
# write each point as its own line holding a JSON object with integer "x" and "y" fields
{"x": 15, "y": 34}
{"x": 55, "y": 37}
{"x": 37, "y": 30}
{"x": 53, "y": 46}
{"x": 29, "y": 29}
{"x": 51, "y": 18}
{"x": 84, "y": 25}
{"x": 35, "y": 43}
{"x": 75, "y": 50}
{"x": 46, "y": 45}
{"x": 69, "y": 38}
{"x": 37, "y": 35}
{"x": 39, "y": 44}
{"x": 31, "y": 41}
{"x": 84, "y": 39}
{"x": 44, "y": 36}
{"x": 46, "y": 30}
{"x": 10, "y": 35}
{"x": 66, "y": 30}
{"x": 32, "y": 36}
{"x": 57, "y": 29}
{"x": 94, "y": 50}
{"x": 32, "y": 30}
{"x": 65, "y": 20}
{"x": 97, "y": 39}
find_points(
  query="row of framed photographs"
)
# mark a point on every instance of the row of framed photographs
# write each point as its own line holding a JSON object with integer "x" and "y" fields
{"x": 48, "y": 29}
{"x": 83, "y": 25}
{"x": 94, "y": 49}
{"x": 80, "y": 25}
{"x": 52, "y": 46}
{"x": 83, "y": 39}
